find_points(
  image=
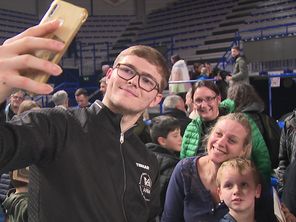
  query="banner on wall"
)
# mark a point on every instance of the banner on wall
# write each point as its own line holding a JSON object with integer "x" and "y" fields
{"x": 115, "y": 2}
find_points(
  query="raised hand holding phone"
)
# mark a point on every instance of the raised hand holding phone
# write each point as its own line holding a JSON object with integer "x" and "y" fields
{"x": 71, "y": 18}
{"x": 28, "y": 58}
{"x": 15, "y": 57}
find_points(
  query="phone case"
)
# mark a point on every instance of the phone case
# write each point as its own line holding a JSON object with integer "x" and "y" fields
{"x": 72, "y": 17}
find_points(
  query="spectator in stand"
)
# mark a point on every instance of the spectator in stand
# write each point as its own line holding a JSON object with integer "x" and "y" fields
{"x": 191, "y": 112}
{"x": 192, "y": 191}
{"x": 209, "y": 69}
{"x": 27, "y": 105}
{"x": 87, "y": 159}
{"x": 174, "y": 105}
{"x": 204, "y": 74}
{"x": 239, "y": 186}
{"x": 289, "y": 191}
{"x": 287, "y": 153}
{"x": 12, "y": 108}
{"x": 105, "y": 69}
{"x": 16, "y": 201}
{"x": 179, "y": 72}
{"x": 196, "y": 70}
{"x": 103, "y": 86}
{"x": 248, "y": 101}
{"x": 166, "y": 145}
{"x": 207, "y": 101}
{"x": 81, "y": 97}
{"x": 60, "y": 99}
{"x": 240, "y": 72}
{"x": 220, "y": 77}
{"x": 15, "y": 99}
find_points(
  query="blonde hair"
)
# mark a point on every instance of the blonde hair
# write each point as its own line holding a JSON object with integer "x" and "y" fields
{"x": 244, "y": 122}
{"x": 241, "y": 165}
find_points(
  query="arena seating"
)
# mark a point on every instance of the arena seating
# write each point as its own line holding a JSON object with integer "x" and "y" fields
{"x": 12, "y": 23}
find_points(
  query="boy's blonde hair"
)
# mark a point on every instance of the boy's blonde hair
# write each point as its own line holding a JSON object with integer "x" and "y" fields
{"x": 241, "y": 165}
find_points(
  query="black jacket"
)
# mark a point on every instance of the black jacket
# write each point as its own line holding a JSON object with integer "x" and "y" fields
{"x": 287, "y": 153}
{"x": 85, "y": 168}
{"x": 289, "y": 193}
{"x": 167, "y": 162}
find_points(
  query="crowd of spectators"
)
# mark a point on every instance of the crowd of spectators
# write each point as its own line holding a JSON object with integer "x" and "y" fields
{"x": 91, "y": 163}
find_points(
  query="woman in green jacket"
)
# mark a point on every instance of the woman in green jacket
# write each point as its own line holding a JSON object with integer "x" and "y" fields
{"x": 207, "y": 102}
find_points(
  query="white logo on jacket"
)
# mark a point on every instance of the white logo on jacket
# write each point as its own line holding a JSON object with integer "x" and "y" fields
{"x": 145, "y": 186}
{"x": 143, "y": 166}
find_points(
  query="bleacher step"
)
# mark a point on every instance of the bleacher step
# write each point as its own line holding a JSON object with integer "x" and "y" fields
{"x": 199, "y": 52}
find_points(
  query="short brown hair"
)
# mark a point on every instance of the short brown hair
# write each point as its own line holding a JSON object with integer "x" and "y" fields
{"x": 81, "y": 91}
{"x": 236, "y": 48}
{"x": 152, "y": 56}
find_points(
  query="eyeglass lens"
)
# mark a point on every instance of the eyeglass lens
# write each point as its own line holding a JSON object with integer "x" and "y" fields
{"x": 145, "y": 81}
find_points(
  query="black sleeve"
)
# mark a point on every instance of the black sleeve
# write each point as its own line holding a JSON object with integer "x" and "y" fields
{"x": 2, "y": 112}
{"x": 31, "y": 138}
{"x": 289, "y": 193}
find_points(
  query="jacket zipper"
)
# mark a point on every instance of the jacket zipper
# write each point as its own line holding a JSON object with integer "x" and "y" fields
{"x": 121, "y": 140}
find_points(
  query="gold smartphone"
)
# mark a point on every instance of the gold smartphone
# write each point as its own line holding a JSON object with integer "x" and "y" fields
{"x": 71, "y": 17}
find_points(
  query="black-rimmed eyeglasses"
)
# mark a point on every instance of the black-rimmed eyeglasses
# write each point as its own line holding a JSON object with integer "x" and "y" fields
{"x": 145, "y": 81}
{"x": 207, "y": 99}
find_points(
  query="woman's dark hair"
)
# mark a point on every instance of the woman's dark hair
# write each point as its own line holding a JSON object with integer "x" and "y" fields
{"x": 175, "y": 58}
{"x": 206, "y": 83}
{"x": 243, "y": 94}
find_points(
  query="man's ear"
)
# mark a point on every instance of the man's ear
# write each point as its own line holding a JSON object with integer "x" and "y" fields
{"x": 156, "y": 100}
{"x": 108, "y": 74}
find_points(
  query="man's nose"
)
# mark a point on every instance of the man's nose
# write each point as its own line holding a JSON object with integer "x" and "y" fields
{"x": 134, "y": 80}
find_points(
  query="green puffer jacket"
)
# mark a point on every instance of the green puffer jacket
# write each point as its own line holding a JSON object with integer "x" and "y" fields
{"x": 192, "y": 140}
{"x": 192, "y": 135}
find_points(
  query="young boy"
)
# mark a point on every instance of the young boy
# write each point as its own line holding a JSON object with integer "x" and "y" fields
{"x": 238, "y": 186}
{"x": 166, "y": 144}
